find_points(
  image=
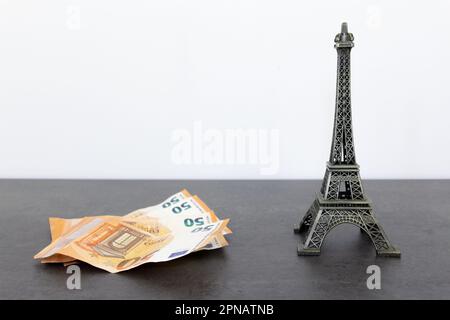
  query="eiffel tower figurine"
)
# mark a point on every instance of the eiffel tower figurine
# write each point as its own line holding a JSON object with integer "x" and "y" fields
{"x": 341, "y": 198}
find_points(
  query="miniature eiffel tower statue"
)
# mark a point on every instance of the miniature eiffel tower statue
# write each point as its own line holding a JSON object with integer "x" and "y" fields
{"x": 341, "y": 198}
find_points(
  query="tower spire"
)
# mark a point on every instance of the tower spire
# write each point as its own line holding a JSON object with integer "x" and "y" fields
{"x": 343, "y": 39}
{"x": 342, "y": 148}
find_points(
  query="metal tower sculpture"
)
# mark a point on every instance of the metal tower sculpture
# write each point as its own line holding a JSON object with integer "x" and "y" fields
{"x": 341, "y": 198}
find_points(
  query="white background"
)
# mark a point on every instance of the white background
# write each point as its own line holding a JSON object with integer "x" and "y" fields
{"x": 96, "y": 88}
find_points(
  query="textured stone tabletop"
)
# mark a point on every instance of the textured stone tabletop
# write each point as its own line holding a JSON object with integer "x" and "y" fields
{"x": 261, "y": 261}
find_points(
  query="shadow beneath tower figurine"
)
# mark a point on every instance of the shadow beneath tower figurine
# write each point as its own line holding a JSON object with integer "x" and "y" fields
{"x": 341, "y": 198}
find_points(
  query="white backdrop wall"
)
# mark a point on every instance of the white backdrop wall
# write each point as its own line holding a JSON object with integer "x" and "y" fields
{"x": 219, "y": 89}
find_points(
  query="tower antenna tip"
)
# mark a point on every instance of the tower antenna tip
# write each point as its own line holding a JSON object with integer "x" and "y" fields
{"x": 344, "y": 27}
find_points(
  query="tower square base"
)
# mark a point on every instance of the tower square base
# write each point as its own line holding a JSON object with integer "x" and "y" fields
{"x": 324, "y": 215}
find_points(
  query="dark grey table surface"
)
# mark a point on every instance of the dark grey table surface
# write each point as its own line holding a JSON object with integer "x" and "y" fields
{"x": 261, "y": 261}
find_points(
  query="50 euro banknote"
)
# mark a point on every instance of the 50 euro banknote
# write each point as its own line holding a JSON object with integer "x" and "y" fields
{"x": 181, "y": 211}
{"x": 117, "y": 244}
{"x": 187, "y": 210}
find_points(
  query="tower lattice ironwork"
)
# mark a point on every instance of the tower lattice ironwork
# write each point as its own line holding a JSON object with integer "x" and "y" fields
{"x": 341, "y": 198}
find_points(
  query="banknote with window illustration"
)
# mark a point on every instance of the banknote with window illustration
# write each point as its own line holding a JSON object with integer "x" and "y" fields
{"x": 178, "y": 226}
